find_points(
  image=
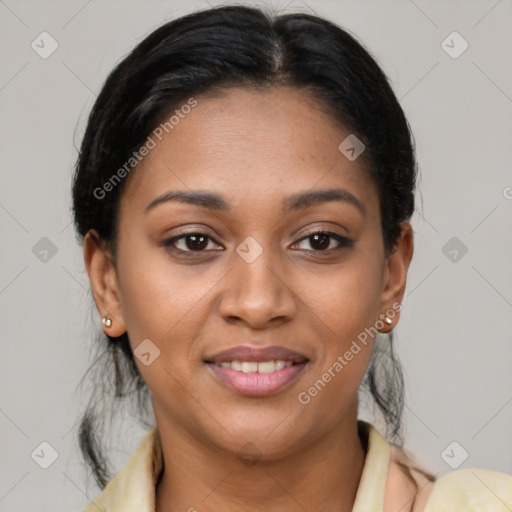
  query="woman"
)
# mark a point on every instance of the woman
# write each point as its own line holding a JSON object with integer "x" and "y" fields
{"x": 243, "y": 192}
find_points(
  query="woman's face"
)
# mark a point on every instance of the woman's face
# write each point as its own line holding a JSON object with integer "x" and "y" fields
{"x": 217, "y": 261}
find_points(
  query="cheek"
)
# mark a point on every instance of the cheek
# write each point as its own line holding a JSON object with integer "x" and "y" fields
{"x": 345, "y": 298}
{"x": 168, "y": 309}
{"x": 348, "y": 307}
{"x": 158, "y": 301}
{"x": 345, "y": 303}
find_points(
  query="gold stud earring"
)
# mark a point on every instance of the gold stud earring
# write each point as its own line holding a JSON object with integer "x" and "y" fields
{"x": 107, "y": 322}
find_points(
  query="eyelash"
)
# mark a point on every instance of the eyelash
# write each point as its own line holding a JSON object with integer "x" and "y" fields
{"x": 343, "y": 242}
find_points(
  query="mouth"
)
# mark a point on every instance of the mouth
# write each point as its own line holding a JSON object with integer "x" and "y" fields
{"x": 257, "y": 371}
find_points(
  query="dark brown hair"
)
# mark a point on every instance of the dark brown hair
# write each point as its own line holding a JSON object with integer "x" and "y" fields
{"x": 235, "y": 46}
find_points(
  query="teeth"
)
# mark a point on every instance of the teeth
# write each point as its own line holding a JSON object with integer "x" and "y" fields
{"x": 280, "y": 365}
{"x": 256, "y": 367}
{"x": 266, "y": 366}
{"x": 249, "y": 367}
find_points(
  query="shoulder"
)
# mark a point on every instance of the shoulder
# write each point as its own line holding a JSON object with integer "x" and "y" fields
{"x": 133, "y": 488}
{"x": 98, "y": 505}
{"x": 408, "y": 485}
{"x": 463, "y": 490}
{"x": 471, "y": 490}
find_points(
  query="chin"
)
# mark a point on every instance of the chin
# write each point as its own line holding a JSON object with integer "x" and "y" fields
{"x": 265, "y": 436}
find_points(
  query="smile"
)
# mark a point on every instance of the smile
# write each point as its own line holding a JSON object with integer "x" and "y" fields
{"x": 256, "y": 371}
{"x": 256, "y": 367}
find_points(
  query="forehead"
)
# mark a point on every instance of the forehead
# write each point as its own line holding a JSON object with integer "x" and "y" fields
{"x": 245, "y": 142}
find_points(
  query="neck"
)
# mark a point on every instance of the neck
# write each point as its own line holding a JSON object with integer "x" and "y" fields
{"x": 324, "y": 475}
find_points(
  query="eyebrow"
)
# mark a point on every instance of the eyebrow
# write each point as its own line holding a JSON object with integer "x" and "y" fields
{"x": 314, "y": 197}
{"x": 295, "y": 202}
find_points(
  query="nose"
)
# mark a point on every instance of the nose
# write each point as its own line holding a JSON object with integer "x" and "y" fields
{"x": 256, "y": 295}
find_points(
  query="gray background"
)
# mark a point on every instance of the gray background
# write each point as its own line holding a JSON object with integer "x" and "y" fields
{"x": 454, "y": 337}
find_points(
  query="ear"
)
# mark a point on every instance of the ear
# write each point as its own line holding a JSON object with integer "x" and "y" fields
{"x": 103, "y": 279}
{"x": 395, "y": 276}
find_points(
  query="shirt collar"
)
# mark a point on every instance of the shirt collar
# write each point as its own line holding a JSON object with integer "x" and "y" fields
{"x": 133, "y": 489}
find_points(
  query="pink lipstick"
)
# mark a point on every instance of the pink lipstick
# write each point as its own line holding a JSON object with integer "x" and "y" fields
{"x": 257, "y": 371}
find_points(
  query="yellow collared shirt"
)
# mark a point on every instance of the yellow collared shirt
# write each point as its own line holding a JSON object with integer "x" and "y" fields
{"x": 463, "y": 490}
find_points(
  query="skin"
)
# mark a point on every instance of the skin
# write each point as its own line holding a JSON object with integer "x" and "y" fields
{"x": 255, "y": 148}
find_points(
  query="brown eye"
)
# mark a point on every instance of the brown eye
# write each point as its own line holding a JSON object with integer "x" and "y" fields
{"x": 196, "y": 242}
{"x": 192, "y": 242}
{"x": 323, "y": 241}
{"x": 320, "y": 241}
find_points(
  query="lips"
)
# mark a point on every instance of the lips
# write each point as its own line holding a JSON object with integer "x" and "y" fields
{"x": 254, "y": 354}
{"x": 255, "y": 371}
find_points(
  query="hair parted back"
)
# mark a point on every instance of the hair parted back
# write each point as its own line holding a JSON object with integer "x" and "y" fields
{"x": 219, "y": 48}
